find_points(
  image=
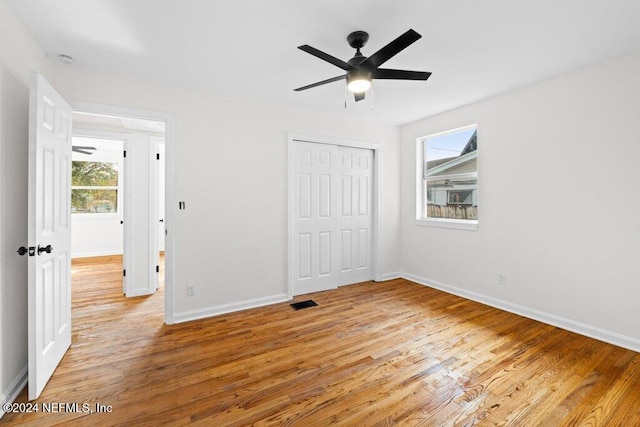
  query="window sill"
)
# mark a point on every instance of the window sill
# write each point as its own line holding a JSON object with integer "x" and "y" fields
{"x": 459, "y": 224}
{"x": 95, "y": 215}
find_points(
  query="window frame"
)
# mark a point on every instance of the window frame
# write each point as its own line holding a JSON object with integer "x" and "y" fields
{"x": 100, "y": 157}
{"x": 421, "y": 186}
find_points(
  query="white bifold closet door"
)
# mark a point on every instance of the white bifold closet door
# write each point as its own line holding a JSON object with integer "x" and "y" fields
{"x": 355, "y": 191}
{"x": 332, "y": 216}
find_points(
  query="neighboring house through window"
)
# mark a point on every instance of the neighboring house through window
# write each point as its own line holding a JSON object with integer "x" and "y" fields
{"x": 447, "y": 187}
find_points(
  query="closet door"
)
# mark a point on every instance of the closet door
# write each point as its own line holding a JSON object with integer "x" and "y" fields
{"x": 332, "y": 216}
{"x": 315, "y": 217}
{"x": 355, "y": 220}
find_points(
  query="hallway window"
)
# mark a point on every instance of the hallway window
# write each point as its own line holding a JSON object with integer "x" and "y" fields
{"x": 94, "y": 187}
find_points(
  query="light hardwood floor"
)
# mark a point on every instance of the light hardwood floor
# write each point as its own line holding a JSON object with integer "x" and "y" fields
{"x": 392, "y": 353}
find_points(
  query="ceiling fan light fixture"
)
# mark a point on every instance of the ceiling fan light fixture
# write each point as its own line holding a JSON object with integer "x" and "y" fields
{"x": 359, "y": 81}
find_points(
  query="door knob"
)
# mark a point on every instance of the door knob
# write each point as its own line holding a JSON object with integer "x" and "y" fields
{"x": 46, "y": 249}
{"x": 22, "y": 250}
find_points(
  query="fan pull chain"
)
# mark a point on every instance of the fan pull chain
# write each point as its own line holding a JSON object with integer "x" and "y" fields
{"x": 346, "y": 92}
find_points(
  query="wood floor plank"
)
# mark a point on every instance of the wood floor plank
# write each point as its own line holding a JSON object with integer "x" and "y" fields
{"x": 370, "y": 354}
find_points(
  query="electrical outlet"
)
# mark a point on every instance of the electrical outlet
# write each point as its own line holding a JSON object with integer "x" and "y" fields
{"x": 191, "y": 290}
{"x": 502, "y": 279}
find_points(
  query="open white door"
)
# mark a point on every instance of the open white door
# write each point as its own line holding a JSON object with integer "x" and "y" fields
{"x": 49, "y": 233}
{"x": 156, "y": 206}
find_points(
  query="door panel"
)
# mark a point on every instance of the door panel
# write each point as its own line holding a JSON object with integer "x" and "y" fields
{"x": 363, "y": 249}
{"x": 49, "y": 268}
{"x": 324, "y": 196}
{"x": 345, "y": 250}
{"x": 347, "y": 185}
{"x": 304, "y": 256}
{"x": 325, "y": 250}
{"x": 363, "y": 196}
{"x": 304, "y": 196}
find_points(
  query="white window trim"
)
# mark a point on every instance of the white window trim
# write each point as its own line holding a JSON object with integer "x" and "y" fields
{"x": 460, "y": 224}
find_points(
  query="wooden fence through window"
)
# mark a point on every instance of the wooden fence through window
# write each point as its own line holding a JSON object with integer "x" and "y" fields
{"x": 452, "y": 212}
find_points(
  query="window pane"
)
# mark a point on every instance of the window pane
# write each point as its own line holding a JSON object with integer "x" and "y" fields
{"x": 94, "y": 173}
{"x": 94, "y": 201}
{"x": 451, "y": 153}
{"x": 450, "y": 175}
{"x": 452, "y": 198}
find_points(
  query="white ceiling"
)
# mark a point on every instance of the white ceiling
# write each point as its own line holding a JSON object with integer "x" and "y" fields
{"x": 474, "y": 48}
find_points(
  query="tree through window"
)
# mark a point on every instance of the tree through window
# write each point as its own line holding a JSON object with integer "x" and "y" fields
{"x": 94, "y": 187}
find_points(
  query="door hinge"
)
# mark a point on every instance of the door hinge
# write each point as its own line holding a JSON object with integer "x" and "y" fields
{"x": 157, "y": 156}
{"x": 124, "y": 272}
{"x": 157, "y": 269}
{"x": 125, "y": 153}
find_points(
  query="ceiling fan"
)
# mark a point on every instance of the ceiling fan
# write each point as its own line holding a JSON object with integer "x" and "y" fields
{"x": 361, "y": 69}
{"x": 83, "y": 149}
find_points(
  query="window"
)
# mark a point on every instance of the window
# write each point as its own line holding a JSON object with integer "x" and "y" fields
{"x": 447, "y": 187}
{"x": 94, "y": 187}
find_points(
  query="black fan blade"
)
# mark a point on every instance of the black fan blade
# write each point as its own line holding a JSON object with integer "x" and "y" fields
{"x": 82, "y": 151}
{"x": 324, "y": 82}
{"x": 326, "y": 57}
{"x": 359, "y": 96}
{"x": 83, "y": 147}
{"x": 387, "y": 73}
{"x": 390, "y": 50}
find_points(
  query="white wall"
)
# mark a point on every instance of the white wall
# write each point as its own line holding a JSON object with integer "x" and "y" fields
{"x": 231, "y": 170}
{"x": 559, "y": 207}
{"x": 19, "y": 54}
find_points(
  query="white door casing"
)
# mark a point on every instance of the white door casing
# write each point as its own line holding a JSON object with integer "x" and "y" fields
{"x": 49, "y": 271}
{"x": 127, "y": 217}
{"x": 332, "y": 213}
{"x": 161, "y": 195}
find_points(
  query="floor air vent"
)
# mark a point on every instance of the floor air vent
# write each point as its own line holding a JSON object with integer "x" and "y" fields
{"x": 303, "y": 304}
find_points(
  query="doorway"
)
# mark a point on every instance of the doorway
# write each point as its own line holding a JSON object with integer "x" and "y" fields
{"x": 145, "y": 244}
{"x": 114, "y": 194}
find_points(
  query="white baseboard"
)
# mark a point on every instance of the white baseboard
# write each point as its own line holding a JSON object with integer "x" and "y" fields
{"x": 550, "y": 319}
{"x": 391, "y": 276}
{"x": 15, "y": 388}
{"x": 228, "y": 308}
